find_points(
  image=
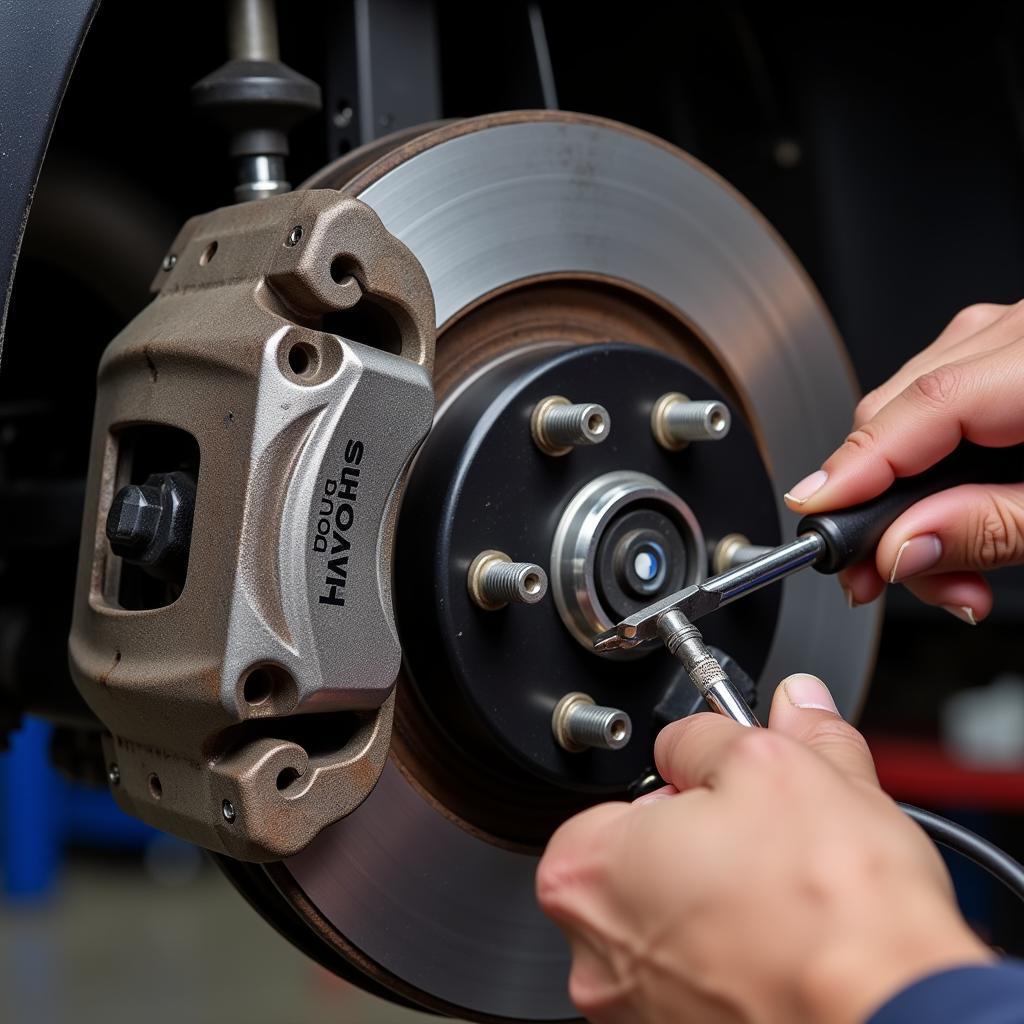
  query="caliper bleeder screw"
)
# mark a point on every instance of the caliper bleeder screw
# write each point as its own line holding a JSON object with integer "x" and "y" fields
{"x": 676, "y": 420}
{"x": 578, "y": 724}
{"x": 494, "y": 581}
{"x": 558, "y": 425}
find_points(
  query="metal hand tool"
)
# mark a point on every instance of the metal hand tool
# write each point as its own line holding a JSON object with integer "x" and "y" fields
{"x": 683, "y": 639}
{"x": 829, "y": 541}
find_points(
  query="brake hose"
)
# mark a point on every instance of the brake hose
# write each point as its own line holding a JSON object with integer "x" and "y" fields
{"x": 949, "y": 834}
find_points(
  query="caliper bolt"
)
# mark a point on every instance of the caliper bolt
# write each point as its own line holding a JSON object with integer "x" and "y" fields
{"x": 735, "y": 549}
{"x": 150, "y": 525}
{"x": 578, "y": 723}
{"x": 494, "y": 581}
{"x": 558, "y": 426}
{"x": 133, "y": 519}
{"x": 676, "y": 421}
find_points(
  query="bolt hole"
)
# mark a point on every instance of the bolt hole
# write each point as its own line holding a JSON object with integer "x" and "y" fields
{"x": 595, "y": 423}
{"x": 717, "y": 421}
{"x": 531, "y": 583}
{"x": 286, "y": 777}
{"x": 156, "y": 790}
{"x": 303, "y": 359}
{"x": 208, "y": 253}
{"x": 341, "y": 269}
{"x": 259, "y": 685}
{"x": 343, "y": 115}
{"x": 618, "y": 730}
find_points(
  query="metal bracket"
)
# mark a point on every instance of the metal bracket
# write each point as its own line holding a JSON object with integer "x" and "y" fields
{"x": 384, "y": 71}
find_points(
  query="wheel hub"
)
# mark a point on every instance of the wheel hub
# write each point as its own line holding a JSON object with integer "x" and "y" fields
{"x": 490, "y": 680}
{"x": 624, "y": 540}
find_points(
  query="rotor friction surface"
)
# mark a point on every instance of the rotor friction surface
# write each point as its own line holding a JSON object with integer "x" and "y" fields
{"x": 436, "y": 912}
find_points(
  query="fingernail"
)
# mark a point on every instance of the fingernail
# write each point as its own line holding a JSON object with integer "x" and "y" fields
{"x": 915, "y": 556}
{"x": 965, "y": 613}
{"x": 658, "y": 794}
{"x": 808, "y": 486}
{"x": 806, "y": 691}
{"x": 851, "y": 601}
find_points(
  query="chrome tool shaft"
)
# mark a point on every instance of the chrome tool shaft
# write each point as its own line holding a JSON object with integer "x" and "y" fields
{"x": 683, "y": 640}
{"x": 701, "y": 599}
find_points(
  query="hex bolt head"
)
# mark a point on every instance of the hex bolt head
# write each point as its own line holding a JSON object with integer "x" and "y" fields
{"x": 133, "y": 519}
{"x": 227, "y": 808}
{"x": 169, "y": 261}
{"x": 558, "y": 425}
{"x": 114, "y": 774}
{"x": 579, "y": 724}
{"x": 495, "y": 581}
{"x": 676, "y": 420}
{"x": 150, "y": 525}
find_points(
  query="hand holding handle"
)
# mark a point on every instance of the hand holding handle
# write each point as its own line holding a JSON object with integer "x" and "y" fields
{"x": 852, "y": 534}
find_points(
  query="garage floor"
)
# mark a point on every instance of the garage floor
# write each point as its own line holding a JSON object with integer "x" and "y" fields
{"x": 114, "y": 945}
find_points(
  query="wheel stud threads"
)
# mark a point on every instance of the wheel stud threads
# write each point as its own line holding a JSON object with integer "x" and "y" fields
{"x": 558, "y": 426}
{"x": 578, "y": 724}
{"x": 676, "y": 421}
{"x": 494, "y": 581}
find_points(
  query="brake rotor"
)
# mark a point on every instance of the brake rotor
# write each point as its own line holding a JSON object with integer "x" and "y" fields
{"x": 550, "y": 238}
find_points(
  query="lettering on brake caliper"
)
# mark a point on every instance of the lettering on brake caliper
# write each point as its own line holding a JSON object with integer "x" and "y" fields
{"x": 336, "y": 516}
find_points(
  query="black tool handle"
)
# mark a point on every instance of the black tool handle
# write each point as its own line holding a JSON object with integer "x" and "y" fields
{"x": 852, "y": 534}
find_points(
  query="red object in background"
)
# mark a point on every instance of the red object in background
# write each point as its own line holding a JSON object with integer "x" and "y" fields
{"x": 922, "y": 772}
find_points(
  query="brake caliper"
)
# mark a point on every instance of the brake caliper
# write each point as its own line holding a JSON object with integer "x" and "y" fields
{"x": 233, "y": 625}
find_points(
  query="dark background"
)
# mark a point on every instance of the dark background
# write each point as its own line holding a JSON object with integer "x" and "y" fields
{"x": 887, "y": 149}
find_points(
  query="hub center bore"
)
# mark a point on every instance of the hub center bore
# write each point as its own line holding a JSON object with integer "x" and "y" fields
{"x": 624, "y": 540}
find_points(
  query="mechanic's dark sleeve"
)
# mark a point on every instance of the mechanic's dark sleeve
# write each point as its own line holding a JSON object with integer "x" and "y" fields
{"x": 964, "y": 995}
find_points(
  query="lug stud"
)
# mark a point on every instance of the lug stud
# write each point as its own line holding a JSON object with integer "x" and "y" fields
{"x": 558, "y": 425}
{"x": 494, "y": 581}
{"x": 676, "y": 421}
{"x": 734, "y": 549}
{"x": 578, "y": 724}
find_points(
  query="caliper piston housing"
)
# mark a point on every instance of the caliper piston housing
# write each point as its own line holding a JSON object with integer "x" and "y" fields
{"x": 251, "y": 705}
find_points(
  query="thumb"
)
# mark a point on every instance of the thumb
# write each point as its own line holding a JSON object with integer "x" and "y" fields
{"x": 804, "y": 710}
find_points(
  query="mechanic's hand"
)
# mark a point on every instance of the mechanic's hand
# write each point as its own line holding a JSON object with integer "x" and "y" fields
{"x": 779, "y": 885}
{"x": 969, "y": 383}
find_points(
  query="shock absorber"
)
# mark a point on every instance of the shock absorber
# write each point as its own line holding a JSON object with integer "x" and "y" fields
{"x": 257, "y": 99}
